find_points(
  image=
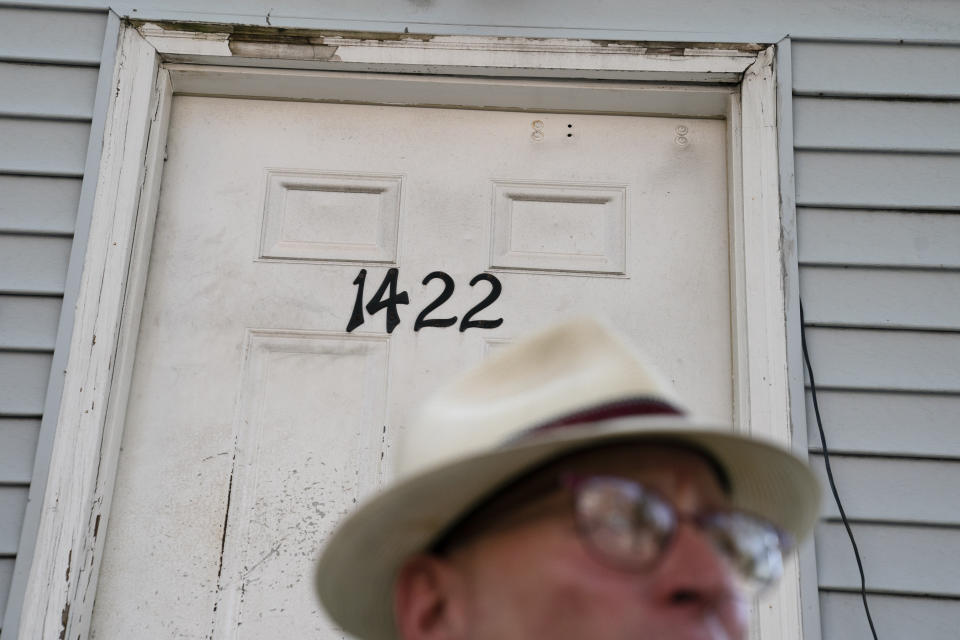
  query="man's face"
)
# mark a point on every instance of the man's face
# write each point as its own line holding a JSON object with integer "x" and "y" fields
{"x": 533, "y": 578}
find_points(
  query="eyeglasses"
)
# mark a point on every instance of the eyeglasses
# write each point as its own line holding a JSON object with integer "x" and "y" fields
{"x": 629, "y": 526}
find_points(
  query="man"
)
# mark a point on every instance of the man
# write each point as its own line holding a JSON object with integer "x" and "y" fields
{"x": 559, "y": 491}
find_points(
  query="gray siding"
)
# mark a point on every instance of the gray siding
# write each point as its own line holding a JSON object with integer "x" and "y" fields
{"x": 48, "y": 90}
{"x": 868, "y": 70}
{"x": 19, "y": 437}
{"x": 894, "y": 616}
{"x": 855, "y": 297}
{"x": 886, "y": 238}
{"x": 50, "y": 36}
{"x": 678, "y": 20}
{"x": 48, "y": 77}
{"x": 877, "y": 155}
{"x": 39, "y": 205}
{"x": 34, "y": 146}
{"x": 906, "y": 424}
{"x": 876, "y": 179}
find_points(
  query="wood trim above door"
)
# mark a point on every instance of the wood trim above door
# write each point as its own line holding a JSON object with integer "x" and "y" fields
{"x": 199, "y": 43}
{"x": 156, "y": 61}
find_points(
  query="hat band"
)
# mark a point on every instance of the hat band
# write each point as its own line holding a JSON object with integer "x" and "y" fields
{"x": 637, "y": 406}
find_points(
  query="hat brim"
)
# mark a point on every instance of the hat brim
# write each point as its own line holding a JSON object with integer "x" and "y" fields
{"x": 360, "y": 562}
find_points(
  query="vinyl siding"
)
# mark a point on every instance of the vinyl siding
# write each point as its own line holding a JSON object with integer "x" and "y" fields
{"x": 47, "y": 90}
{"x": 877, "y": 159}
{"x": 49, "y": 62}
{"x": 885, "y": 239}
{"x": 13, "y": 502}
{"x": 904, "y": 424}
{"x": 38, "y": 204}
{"x": 869, "y": 70}
{"x": 6, "y": 577}
{"x": 877, "y": 180}
{"x": 876, "y": 125}
{"x": 29, "y": 322}
{"x": 33, "y": 264}
{"x": 896, "y": 616}
{"x": 678, "y": 21}
{"x": 857, "y": 297}
{"x": 50, "y": 36}
{"x": 19, "y": 437}
{"x": 43, "y": 147}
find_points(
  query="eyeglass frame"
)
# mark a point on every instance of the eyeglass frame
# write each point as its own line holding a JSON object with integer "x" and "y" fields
{"x": 704, "y": 520}
{"x": 470, "y": 526}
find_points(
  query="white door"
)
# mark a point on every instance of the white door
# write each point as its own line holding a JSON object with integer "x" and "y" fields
{"x": 256, "y": 419}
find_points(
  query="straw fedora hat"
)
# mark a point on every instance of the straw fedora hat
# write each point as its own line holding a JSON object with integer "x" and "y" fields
{"x": 574, "y": 386}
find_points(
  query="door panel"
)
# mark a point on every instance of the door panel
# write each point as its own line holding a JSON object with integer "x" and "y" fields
{"x": 256, "y": 420}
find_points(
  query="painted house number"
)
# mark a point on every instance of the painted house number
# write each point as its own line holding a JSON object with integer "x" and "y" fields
{"x": 386, "y": 297}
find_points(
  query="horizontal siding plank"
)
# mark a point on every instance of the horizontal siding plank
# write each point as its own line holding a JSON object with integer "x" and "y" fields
{"x": 6, "y": 577}
{"x": 887, "y": 360}
{"x": 870, "y": 69}
{"x": 18, "y": 446}
{"x": 39, "y": 204}
{"x": 886, "y": 423}
{"x": 23, "y": 382}
{"x": 896, "y": 559}
{"x": 50, "y": 91}
{"x": 891, "y": 490}
{"x": 33, "y": 264}
{"x": 877, "y": 180}
{"x": 836, "y": 123}
{"x": 878, "y": 238}
{"x": 28, "y": 322}
{"x": 842, "y": 617}
{"x": 13, "y": 504}
{"x": 43, "y": 146}
{"x": 881, "y": 298}
{"x": 72, "y": 37}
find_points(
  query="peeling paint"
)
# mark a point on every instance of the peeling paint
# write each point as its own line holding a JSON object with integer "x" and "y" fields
{"x": 665, "y": 51}
{"x": 280, "y": 34}
{"x": 282, "y": 50}
{"x": 301, "y": 37}
{"x": 64, "y": 616}
{"x": 684, "y": 48}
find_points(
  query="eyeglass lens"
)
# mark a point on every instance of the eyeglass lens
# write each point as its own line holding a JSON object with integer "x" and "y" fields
{"x": 631, "y": 526}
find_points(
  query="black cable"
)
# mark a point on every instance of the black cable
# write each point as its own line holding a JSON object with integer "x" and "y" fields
{"x": 826, "y": 462}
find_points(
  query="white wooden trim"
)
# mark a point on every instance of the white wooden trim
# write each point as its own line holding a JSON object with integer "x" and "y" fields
{"x": 763, "y": 406}
{"x": 807, "y": 560}
{"x": 558, "y": 95}
{"x": 477, "y": 55}
{"x": 63, "y": 577}
{"x": 63, "y": 580}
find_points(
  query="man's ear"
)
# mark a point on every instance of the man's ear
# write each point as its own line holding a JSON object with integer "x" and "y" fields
{"x": 428, "y": 600}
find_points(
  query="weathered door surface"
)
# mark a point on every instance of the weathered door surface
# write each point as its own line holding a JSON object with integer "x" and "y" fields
{"x": 256, "y": 419}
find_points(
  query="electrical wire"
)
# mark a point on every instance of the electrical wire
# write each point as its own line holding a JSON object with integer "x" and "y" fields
{"x": 826, "y": 462}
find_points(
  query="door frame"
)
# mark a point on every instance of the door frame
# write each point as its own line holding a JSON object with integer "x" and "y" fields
{"x": 157, "y": 60}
